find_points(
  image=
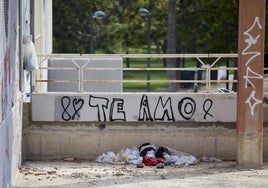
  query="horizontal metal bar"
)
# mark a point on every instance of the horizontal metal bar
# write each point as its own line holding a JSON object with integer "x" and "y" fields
{"x": 88, "y": 57}
{"x": 136, "y": 69}
{"x": 73, "y": 56}
{"x": 222, "y": 68}
{"x": 139, "y": 81}
{"x": 59, "y": 68}
{"x": 164, "y": 81}
{"x": 50, "y": 80}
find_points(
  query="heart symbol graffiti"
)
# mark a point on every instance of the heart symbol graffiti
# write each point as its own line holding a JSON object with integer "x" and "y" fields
{"x": 77, "y": 104}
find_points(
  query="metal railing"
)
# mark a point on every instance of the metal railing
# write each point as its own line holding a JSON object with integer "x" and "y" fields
{"x": 205, "y": 63}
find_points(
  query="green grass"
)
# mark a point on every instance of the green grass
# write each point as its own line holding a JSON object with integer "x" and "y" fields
{"x": 142, "y": 75}
{"x": 156, "y": 75}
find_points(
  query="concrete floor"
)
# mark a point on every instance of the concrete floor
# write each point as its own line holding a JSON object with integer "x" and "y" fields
{"x": 90, "y": 174}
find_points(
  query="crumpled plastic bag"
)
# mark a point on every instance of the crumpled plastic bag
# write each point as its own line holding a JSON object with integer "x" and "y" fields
{"x": 182, "y": 158}
{"x": 30, "y": 62}
{"x": 132, "y": 156}
{"x": 106, "y": 157}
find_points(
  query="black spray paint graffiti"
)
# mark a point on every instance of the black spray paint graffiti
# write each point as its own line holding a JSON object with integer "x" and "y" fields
{"x": 163, "y": 110}
{"x": 144, "y": 113}
{"x": 117, "y": 112}
{"x": 101, "y": 104}
{"x": 187, "y": 107}
{"x": 206, "y": 107}
{"x": 115, "y": 109}
{"x": 71, "y": 108}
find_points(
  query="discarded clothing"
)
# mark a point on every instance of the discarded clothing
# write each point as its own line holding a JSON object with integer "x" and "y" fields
{"x": 152, "y": 161}
{"x": 146, "y": 147}
{"x": 136, "y": 156}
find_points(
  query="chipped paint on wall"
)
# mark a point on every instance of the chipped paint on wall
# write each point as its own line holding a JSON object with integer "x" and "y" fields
{"x": 10, "y": 97}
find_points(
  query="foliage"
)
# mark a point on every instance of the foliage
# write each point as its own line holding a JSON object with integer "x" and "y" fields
{"x": 120, "y": 29}
{"x": 171, "y": 44}
{"x": 208, "y": 26}
{"x": 204, "y": 26}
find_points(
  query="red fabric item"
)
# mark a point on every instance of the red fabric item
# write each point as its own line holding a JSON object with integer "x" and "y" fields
{"x": 151, "y": 161}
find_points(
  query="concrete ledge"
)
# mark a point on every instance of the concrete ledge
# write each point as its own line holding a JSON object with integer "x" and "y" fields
{"x": 133, "y": 107}
{"x": 88, "y": 140}
{"x": 47, "y": 140}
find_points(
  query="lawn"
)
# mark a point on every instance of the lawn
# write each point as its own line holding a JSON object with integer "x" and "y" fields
{"x": 142, "y": 75}
{"x": 134, "y": 75}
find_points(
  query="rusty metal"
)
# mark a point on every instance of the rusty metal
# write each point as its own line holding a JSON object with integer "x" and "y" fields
{"x": 250, "y": 83}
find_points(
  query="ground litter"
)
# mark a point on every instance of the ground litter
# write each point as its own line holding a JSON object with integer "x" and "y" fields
{"x": 133, "y": 156}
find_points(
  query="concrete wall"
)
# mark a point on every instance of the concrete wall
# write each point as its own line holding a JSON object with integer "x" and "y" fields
{"x": 128, "y": 107}
{"x": 10, "y": 96}
{"x": 87, "y": 139}
{"x": 10, "y": 144}
{"x": 14, "y": 83}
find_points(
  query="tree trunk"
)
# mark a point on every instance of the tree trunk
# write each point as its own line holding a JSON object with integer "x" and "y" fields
{"x": 171, "y": 45}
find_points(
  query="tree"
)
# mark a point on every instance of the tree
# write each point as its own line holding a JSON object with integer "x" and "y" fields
{"x": 171, "y": 44}
{"x": 121, "y": 27}
{"x": 204, "y": 26}
{"x": 208, "y": 26}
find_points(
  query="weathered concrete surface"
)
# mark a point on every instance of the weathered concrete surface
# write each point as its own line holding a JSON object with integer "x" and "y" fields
{"x": 10, "y": 145}
{"x": 250, "y": 83}
{"x": 10, "y": 96}
{"x": 86, "y": 140}
{"x": 84, "y": 174}
{"x": 128, "y": 107}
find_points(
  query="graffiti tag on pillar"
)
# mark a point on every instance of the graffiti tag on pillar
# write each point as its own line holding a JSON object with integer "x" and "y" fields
{"x": 251, "y": 41}
{"x": 252, "y": 75}
{"x": 249, "y": 76}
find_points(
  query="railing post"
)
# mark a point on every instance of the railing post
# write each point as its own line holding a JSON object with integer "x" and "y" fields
{"x": 227, "y": 74}
{"x": 81, "y": 88}
{"x": 81, "y": 68}
{"x": 81, "y": 83}
{"x": 207, "y": 78}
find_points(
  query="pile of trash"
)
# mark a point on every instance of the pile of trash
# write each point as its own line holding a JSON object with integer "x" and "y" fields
{"x": 149, "y": 155}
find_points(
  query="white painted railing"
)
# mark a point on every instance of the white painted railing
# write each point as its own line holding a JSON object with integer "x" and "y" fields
{"x": 202, "y": 60}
